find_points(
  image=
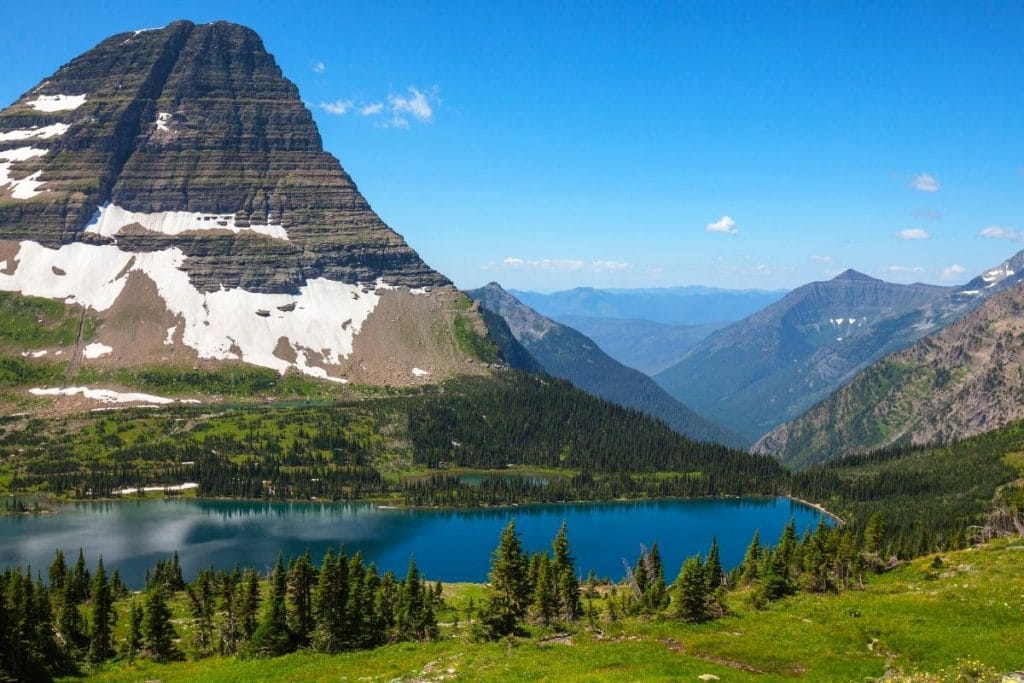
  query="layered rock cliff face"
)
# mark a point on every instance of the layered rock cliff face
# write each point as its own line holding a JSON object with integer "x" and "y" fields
{"x": 172, "y": 182}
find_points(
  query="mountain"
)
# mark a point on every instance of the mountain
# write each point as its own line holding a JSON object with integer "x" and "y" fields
{"x": 170, "y": 190}
{"x": 669, "y": 306}
{"x": 643, "y": 345}
{"x": 964, "y": 380}
{"x": 565, "y": 353}
{"x": 759, "y": 372}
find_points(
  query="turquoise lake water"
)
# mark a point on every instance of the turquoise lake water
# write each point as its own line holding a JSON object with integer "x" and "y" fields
{"x": 451, "y": 545}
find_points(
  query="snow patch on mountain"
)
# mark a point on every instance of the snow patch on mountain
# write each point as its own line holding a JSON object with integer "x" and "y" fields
{"x": 44, "y": 132}
{"x": 97, "y": 350}
{"x": 319, "y": 324}
{"x": 101, "y": 395}
{"x": 50, "y": 103}
{"x": 110, "y": 219}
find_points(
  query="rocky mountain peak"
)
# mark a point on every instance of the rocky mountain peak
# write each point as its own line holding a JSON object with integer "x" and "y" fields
{"x": 851, "y": 274}
{"x": 173, "y": 178}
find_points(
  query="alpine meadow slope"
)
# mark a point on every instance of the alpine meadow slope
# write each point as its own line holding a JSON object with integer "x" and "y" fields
{"x": 169, "y": 191}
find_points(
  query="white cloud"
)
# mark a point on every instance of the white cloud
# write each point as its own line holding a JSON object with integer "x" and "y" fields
{"x": 928, "y": 214}
{"x": 913, "y": 234}
{"x": 319, "y": 67}
{"x": 925, "y": 183}
{"x": 998, "y": 232}
{"x": 610, "y": 265}
{"x": 725, "y": 224}
{"x": 338, "y": 107}
{"x": 820, "y": 258}
{"x": 904, "y": 269}
{"x": 371, "y": 109}
{"x": 415, "y": 104}
{"x": 514, "y": 262}
{"x": 953, "y": 271}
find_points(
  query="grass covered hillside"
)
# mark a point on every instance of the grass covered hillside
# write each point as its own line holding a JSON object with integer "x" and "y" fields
{"x": 958, "y": 616}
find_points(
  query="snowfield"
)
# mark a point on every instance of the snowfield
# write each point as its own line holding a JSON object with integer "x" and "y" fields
{"x": 319, "y": 324}
{"x": 49, "y": 103}
{"x": 110, "y": 219}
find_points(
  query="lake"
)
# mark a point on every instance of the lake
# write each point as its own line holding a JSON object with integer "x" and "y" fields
{"x": 451, "y": 545}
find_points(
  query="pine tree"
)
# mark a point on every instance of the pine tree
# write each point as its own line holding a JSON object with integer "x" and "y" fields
{"x": 158, "y": 633}
{"x": 329, "y": 600}
{"x": 79, "y": 581}
{"x": 134, "y": 641}
{"x": 751, "y": 560}
{"x": 545, "y": 599}
{"x": 508, "y": 591}
{"x": 102, "y": 607}
{"x": 414, "y": 613}
{"x": 689, "y": 596}
{"x": 713, "y": 567}
{"x": 272, "y": 638}
{"x": 787, "y": 547}
{"x": 249, "y": 604}
{"x": 302, "y": 580}
{"x": 874, "y": 534}
{"x": 563, "y": 569}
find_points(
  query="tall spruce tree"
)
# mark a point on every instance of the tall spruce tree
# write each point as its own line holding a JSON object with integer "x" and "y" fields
{"x": 508, "y": 590}
{"x": 102, "y": 609}
{"x": 302, "y": 579}
{"x": 563, "y": 568}
{"x": 158, "y": 633}
{"x": 272, "y": 637}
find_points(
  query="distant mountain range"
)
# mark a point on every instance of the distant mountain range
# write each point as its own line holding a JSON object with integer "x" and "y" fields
{"x": 771, "y": 366}
{"x": 962, "y": 381}
{"x": 643, "y": 345}
{"x": 565, "y": 353}
{"x": 669, "y": 306}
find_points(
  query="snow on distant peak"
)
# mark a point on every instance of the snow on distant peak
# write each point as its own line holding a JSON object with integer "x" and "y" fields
{"x": 162, "y": 119}
{"x": 110, "y": 219}
{"x": 51, "y": 103}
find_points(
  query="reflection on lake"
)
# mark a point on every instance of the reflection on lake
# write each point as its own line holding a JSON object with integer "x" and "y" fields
{"x": 453, "y": 545}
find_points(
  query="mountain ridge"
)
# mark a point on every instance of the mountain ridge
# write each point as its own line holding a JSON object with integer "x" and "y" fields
{"x": 567, "y": 354}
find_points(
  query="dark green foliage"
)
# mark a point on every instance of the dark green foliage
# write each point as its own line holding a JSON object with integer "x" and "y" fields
{"x": 134, "y": 641}
{"x": 302, "y": 580}
{"x": 272, "y": 637}
{"x": 690, "y": 592}
{"x": 101, "y": 640}
{"x": 158, "y": 633}
{"x": 508, "y": 590}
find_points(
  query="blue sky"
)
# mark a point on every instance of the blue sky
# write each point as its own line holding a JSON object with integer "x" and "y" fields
{"x": 553, "y": 144}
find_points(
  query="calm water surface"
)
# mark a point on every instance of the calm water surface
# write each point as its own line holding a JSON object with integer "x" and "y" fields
{"x": 453, "y": 545}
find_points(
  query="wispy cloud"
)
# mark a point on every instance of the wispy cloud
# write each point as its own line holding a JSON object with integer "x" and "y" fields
{"x": 395, "y": 111}
{"x": 928, "y": 214}
{"x": 913, "y": 234}
{"x": 925, "y": 182}
{"x": 998, "y": 232}
{"x": 319, "y": 67}
{"x": 821, "y": 258}
{"x": 337, "y": 107}
{"x": 610, "y": 265}
{"x": 953, "y": 271}
{"x": 725, "y": 225}
{"x": 904, "y": 269}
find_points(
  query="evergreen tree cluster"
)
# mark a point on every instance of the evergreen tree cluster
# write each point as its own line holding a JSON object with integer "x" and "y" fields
{"x": 58, "y": 627}
{"x": 541, "y": 588}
